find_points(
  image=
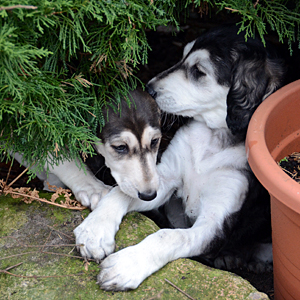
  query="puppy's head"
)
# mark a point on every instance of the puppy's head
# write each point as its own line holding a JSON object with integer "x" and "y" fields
{"x": 220, "y": 80}
{"x": 191, "y": 88}
{"x": 130, "y": 141}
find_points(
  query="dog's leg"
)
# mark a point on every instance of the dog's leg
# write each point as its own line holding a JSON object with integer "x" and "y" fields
{"x": 127, "y": 268}
{"x": 84, "y": 185}
{"x": 96, "y": 234}
{"x": 48, "y": 179}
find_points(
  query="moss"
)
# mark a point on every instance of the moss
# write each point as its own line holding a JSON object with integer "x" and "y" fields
{"x": 61, "y": 215}
{"x": 133, "y": 229}
{"x": 45, "y": 271}
{"x": 12, "y": 215}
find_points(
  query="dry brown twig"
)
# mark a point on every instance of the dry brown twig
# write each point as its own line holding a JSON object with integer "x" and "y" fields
{"x": 28, "y": 196}
{"x": 5, "y": 271}
{"x": 18, "y": 6}
{"x": 19, "y": 254}
{"x": 36, "y": 276}
{"x": 8, "y": 173}
{"x": 179, "y": 289}
{"x": 51, "y": 227}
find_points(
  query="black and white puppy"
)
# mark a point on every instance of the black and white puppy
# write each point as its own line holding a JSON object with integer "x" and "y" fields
{"x": 129, "y": 145}
{"x": 219, "y": 82}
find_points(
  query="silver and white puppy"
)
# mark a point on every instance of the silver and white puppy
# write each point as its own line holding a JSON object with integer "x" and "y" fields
{"x": 129, "y": 145}
{"x": 218, "y": 83}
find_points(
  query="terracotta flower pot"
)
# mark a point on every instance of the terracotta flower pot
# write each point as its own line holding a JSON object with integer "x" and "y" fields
{"x": 273, "y": 133}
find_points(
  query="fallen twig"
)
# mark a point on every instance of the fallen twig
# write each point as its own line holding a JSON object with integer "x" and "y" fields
{"x": 47, "y": 201}
{"x": 39, "y": 276}
{"x": 9, "y": 268}
{"x": 19, "y": 254}
{"x": 51, "y": 227}
{"x": 179, "y": 289}
{"x": 7, "y": 176}
{"x": 61, "y": 245}
{"x": 67, "y": 255}
{"x": 43, "y": 247}
{"x": 28, "y": 195}
{"x": 47, "y": 252}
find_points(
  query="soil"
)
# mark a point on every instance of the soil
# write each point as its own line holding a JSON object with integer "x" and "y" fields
{"x": 167, "y": 50}
{"x": 291, "y": 166}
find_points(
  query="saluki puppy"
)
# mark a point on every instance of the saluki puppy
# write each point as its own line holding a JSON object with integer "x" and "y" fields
{"x": 219, "y": 82}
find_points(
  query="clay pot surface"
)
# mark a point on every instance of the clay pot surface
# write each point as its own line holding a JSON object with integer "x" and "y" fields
{"x": 273, "y": 133}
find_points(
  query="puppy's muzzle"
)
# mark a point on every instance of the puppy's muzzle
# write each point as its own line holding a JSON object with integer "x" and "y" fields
{"x": 150, "y": 90}
{"x": 147, "y": 196}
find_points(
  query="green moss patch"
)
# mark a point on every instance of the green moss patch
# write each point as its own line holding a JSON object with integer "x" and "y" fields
{"x": 39, "y": 260}
{"x": 12, "y": 216}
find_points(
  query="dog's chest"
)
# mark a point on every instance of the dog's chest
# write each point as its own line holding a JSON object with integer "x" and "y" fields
{"x": 205, "y": 160}
{"x": 192, "y": 190}
{"x": 193, "y": 149}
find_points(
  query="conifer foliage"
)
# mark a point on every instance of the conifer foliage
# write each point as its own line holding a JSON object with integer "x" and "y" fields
{"x": 281, "y": 16}
{"x": 62, "y": 61}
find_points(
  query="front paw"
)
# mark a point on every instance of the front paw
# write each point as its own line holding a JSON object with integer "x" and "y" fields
{"x": 95, "y": 237}
{"x": 91, "y": 194}
{"x": 123, "y": 270}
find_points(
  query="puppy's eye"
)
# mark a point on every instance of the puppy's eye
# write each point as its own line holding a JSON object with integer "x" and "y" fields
{"x": 197, "y": 73}
{"x": 154, "y": 143}
{"x": 122, "y": 149}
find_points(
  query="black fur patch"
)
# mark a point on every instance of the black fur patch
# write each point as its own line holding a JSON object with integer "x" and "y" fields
{"x": 142, "y": 112}
{"x": 251, "y": 70}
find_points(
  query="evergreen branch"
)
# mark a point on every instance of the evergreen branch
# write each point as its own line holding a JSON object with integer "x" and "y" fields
{"x": 256, "y": 16}
{"x": 62, "y": 62}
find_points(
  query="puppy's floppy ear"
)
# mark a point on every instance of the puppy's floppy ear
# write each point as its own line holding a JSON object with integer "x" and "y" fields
{"x": 254, "y": 77}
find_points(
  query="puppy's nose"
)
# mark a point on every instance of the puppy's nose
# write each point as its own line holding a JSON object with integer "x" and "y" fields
{"x": 147, "y": 196}
{"x": 150, "y": 90}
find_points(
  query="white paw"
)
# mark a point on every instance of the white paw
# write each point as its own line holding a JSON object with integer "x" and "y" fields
{"x": 95, "y": 235}
{"x": 90, "y": 194}
{"x": 124, "y": 270}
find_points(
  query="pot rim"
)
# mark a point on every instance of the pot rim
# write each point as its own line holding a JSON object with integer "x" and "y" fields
{"x": 281, "y": 186}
